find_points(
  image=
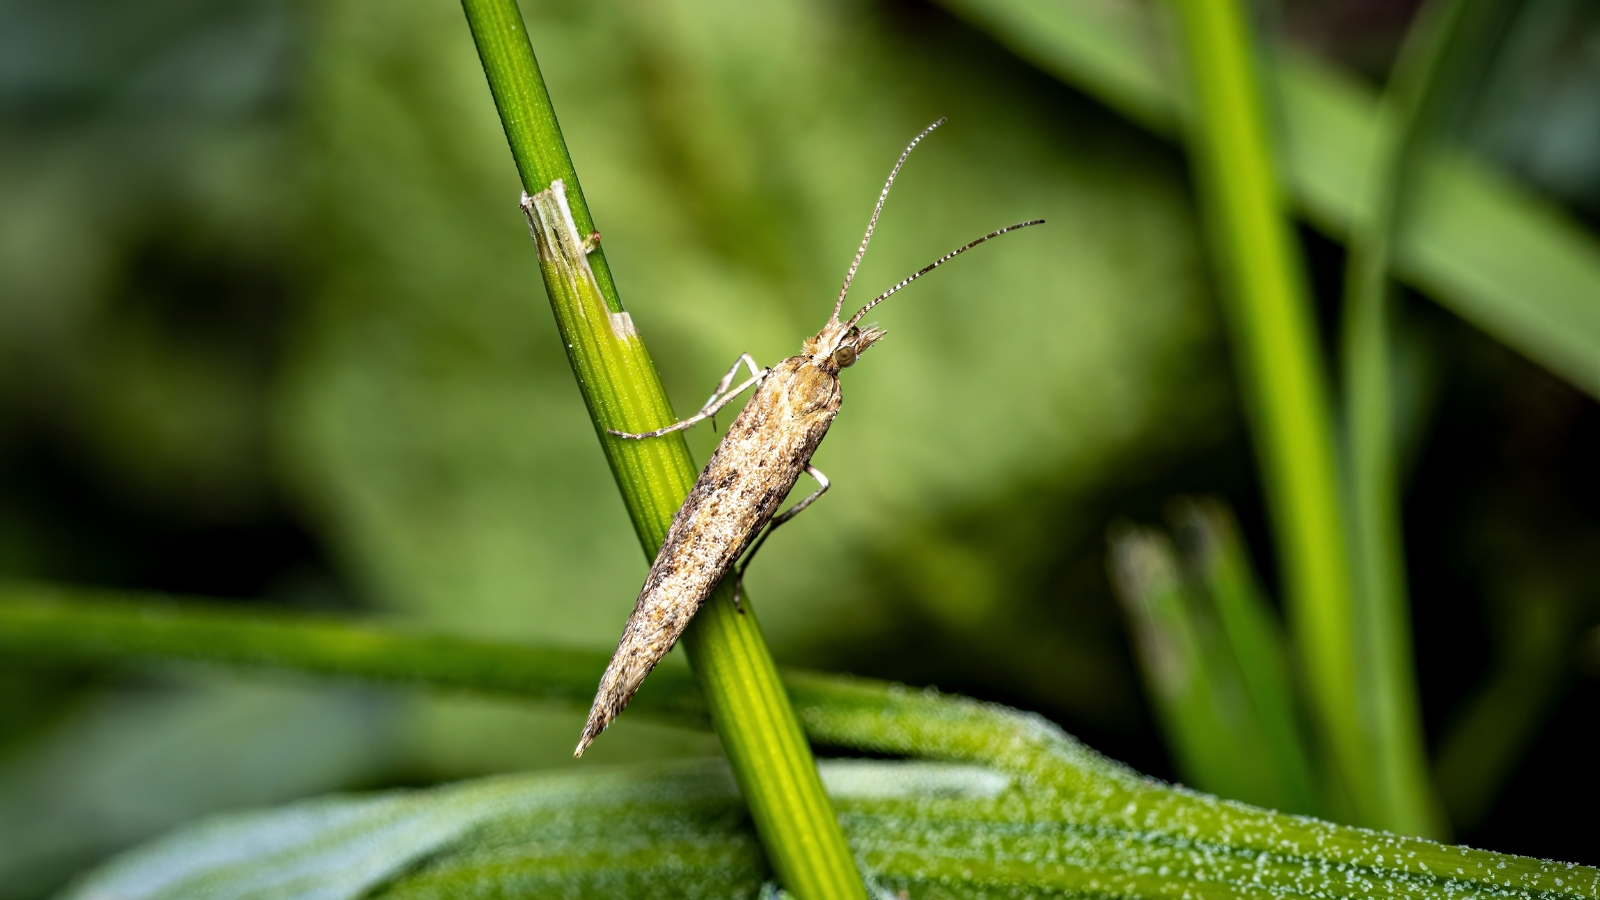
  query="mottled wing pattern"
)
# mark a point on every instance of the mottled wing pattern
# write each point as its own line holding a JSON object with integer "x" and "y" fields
{"x": 753, "y": 469}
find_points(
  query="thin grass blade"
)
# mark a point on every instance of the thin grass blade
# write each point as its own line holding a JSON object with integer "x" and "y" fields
{"x": 1252, "y": 642}
{"x": 1513, "y": 264}
{"x": 1266, "y": 303}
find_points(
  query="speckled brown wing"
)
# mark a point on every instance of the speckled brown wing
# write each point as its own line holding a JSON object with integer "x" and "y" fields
{"x": 753, "y": 469}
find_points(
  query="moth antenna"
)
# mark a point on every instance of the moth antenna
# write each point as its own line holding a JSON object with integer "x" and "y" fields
{"x": 934, "y": 265}
{"x": 873, "y": 222}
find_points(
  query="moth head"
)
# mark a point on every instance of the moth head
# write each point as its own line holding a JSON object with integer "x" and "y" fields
{"x": 838, "y": 346}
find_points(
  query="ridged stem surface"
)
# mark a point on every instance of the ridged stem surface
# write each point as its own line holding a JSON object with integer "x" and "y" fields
{"x": 766, "y": 748}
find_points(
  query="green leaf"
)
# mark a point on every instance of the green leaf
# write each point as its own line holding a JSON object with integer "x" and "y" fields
{"x": 1509, "y": 262}
{"x": 933, "y": 830}
{"x": 1214, "y": 660}
{"x": 642, "y": 832}
{"x": 1253, "y": 641}
{"x": 135, "y": 761}
{"x": 44, "y": 623}
{"x": 1197, "y": 693}
{"x": 1070, "y": 820}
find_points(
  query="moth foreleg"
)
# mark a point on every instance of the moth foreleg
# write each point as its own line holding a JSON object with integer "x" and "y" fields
{"x": 712, "y": 405}
{"x": 791, "y": 512}
{"x": 722, "y": 386}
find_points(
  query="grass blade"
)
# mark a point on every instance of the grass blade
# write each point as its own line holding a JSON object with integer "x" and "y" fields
{"x": 1224, "y": 707}
{"x": 43, "y": 624}
{"x": 1254, "y": 644}
{"x": 1510, "y": 263}
{"x": 1268, "y": 310}
{"x": 1199, "y": 702}
{"x": 752, "y": 715}
{"x": 1437, "y": 55}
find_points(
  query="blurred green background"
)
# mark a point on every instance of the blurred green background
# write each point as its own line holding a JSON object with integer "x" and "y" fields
{"x": 271, "y": 328}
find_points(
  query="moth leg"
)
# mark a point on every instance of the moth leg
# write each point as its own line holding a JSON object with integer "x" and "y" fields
{"x": 788, "y": 514}
{"x": 712, "y": 405}
{"x": 722, "y": 386}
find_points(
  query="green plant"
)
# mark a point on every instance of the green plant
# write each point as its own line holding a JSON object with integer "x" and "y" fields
{"x": 1214, "y": 660}
{"x": 1382, "y": 174}
{"x": 1438, "y": 54}
{"x": 1505, "y": 260}
{"x": 768, "y": 754}
{"x": 1286, "y": 396}
{"x": 994, "y": 800}
{"x": 1025, "y": 808}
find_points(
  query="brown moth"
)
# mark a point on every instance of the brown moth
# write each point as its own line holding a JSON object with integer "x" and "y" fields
{"x": 754, "y": 467}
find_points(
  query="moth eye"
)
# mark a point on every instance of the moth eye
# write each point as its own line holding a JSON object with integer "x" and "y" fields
{"x": 845, "y": 356}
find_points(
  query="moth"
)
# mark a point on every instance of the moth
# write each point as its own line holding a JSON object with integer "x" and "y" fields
{"x": 753, "y": 469}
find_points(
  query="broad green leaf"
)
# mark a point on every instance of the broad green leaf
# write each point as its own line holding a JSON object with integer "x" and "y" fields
{"x": 1505, "y": 260}
{"x": 132, "y": 762}
{"x": 641, "y": 832}
{"x": 1070, "y": 820}
{"x": 930, "y": 829}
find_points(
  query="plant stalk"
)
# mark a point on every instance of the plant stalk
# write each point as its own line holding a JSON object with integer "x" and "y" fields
{"x": 1441, "y": 40}
{"x": 45, "y": 624}
{"x": 749, "y": 709}
{"x": 1267, "y": 306}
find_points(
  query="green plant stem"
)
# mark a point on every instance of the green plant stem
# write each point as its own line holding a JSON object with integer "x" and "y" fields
{"x": 45, "y": 625}
{"x": 1419, "y": 86}
{"x": 1282, "y": 380}
{"x": 749, "y": 709}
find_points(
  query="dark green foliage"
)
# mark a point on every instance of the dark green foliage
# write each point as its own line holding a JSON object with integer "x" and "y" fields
{"x": 270, "y": 328}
